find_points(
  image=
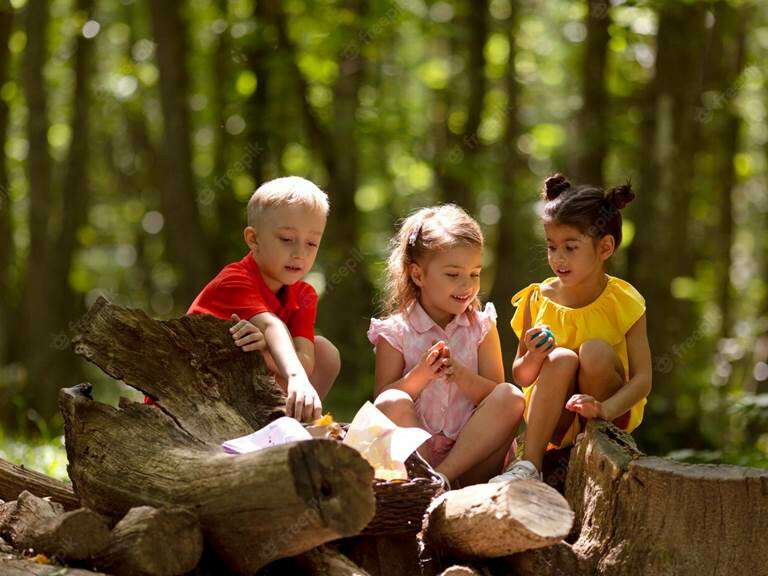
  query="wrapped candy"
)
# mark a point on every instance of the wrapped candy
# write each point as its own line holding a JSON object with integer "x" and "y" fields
{"x": 382, "y": 443}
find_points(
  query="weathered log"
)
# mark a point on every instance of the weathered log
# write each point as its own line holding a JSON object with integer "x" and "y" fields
{"x": 635, "y": 511}
{"x": 153, "y": 542}
{"x": 21, "y": 567}
{"x": 464, "y": 571}
{"x": 492, "y": 520}
{"x": 31, "y": 522}
{"x": 70, "y": 537}
{"x": 15, "y": 479}
{"x": 253, "y": 508}
{"x": 327, "y": 561}
{"x": 19, "y": 516}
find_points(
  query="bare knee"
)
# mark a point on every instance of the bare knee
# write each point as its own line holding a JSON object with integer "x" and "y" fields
{"x": 327, "y": 356}
{"x": 394, "y": 403}
{"x": 562, "y": 360}
{"x": 509, "y": 398}
{"x": 597, "y": 358}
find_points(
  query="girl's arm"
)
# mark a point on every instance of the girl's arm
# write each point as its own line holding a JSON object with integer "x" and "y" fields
{"x": 390, "y": 365}
{"x": 490, "y": 369}
{"x": 527, "y": 365}
{"x": 639, "y": 385}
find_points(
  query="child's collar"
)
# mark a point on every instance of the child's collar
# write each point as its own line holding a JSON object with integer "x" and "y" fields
{"x": 422, "y": 322}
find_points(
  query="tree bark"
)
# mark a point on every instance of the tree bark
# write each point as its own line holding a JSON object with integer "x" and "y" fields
{"x": 184, "y": 230}
{"x": 287, "y": 499}
{"x": 15, "y": 479}
{"x": 493, "y": 520}
{"x": 153, "y": 542}
{"x": 73, "y": 536}
{"x": 326, "y": 561}
{"x": 635, "y": 510}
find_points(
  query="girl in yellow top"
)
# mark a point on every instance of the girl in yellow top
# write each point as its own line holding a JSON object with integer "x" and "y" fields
{"x": 583, "y": 349}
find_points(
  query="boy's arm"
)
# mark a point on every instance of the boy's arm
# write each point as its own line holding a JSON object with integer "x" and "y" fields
{"x": 640, "y": 370}
{"x": 303, "y": 401}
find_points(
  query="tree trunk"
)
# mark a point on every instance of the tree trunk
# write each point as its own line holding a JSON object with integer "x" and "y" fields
{"x": 153, "y": 542}
{"x": 36, "y": 351}
{"x": 493, "y": 520}
{"x": 644, "y": 512}
{"x": 348, "y": 290}
{"x": 326, "y": 561}
{"x": 592, "y": 143}
{"x": 67, "y": 306}
{"x": 455, "y": 169}
{"x": 184, "y": 231}
{"x": 515, "y": 260}
{"x": 7, "y": 245}
{"x": 288, "y": 499}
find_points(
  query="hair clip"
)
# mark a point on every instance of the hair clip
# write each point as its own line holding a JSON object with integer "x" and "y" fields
{"x": 414, "y": 235}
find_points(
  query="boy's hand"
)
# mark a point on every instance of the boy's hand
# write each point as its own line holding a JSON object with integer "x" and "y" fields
{"x": 246, "y": 335}
{"x": 540, "y": 341}
{"x": 586, "y": 405}
{"x": 302, "y": 403}
{"x": 433, "y": 361}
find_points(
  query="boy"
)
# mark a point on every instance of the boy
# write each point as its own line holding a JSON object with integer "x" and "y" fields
{"x": 274, "y": 311}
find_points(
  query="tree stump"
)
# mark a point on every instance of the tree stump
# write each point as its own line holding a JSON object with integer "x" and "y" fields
{"x": 253, "y": 508}
{"x": 650, "y": 515}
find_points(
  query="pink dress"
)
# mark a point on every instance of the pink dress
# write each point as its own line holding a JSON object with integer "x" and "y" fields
{"x": 442, "y": 408}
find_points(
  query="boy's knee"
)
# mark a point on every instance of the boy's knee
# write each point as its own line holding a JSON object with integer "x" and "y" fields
{"x": 393, "y": 401}
{"x": 597, "y": 356}
{"x": 327, "y": 354}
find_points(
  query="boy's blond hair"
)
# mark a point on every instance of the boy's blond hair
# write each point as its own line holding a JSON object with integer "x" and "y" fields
{"x": 286, "y": 191}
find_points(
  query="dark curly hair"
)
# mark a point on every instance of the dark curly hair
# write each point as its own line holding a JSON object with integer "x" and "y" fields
{"x": 589, "y": 209}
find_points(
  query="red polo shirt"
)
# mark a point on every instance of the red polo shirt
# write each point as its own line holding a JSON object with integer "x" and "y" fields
{"x": 240, "y": 289}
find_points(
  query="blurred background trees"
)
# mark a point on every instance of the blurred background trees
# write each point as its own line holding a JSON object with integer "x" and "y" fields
{"x": 135, "y": 131}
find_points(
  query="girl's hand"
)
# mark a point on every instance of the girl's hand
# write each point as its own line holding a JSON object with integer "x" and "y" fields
{"x": 451, "y": 369}
{"x": 246, "y": 335}
{"x": 433, "y": 361}
{"x": 540, "y": 341}
{"x": 585, "y": 405}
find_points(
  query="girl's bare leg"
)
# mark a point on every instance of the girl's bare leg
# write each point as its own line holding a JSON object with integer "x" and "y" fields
{"x": 486, "y": 436}
{"x": 601, "y": 372}
{"x": 547, "y": 416}
{"x": 399, "y": 407}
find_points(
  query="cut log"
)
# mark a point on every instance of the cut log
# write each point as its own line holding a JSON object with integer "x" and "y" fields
{"x": 153, "y": 542}
{"x": 15, "y": 479}
{"x": 492, "y": 520}
{"x": 326, "y": 561}
{"x": 666, "y": 517}
{"x": 31, "y": 522}
{"x": 253, "y": 508}
{"x": 70, "y": 537}
{"x": 20, "y": 567}
{"x": 19, "y": 516}
{"x": 464, "y": 571}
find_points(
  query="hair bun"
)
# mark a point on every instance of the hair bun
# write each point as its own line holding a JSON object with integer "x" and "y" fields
{"x": 555, "y": 185}
{"x": 620, "y": 196}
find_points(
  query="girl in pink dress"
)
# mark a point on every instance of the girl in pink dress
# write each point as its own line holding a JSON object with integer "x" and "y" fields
{"x": 438, "y": 357}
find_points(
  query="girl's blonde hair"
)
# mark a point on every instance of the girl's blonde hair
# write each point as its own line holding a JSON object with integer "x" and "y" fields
{"x": 423, "y": 234}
